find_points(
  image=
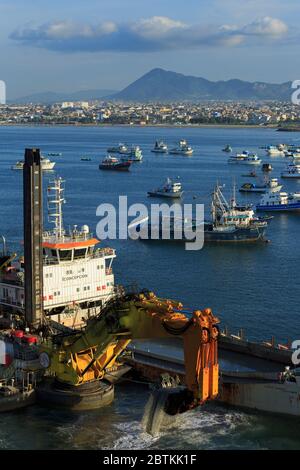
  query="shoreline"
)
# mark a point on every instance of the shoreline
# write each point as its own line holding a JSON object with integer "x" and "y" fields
{"x": 163, "y": 126}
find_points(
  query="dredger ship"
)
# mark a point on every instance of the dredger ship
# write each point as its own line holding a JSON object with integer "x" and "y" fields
{"x": 77, "y": 272}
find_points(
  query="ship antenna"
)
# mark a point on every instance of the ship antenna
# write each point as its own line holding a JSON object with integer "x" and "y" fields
{"x": 234, "y": 194}
{"x": 55, "y": 201}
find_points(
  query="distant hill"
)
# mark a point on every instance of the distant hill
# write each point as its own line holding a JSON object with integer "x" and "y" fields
{"x": 161, "y": 85}
{"x": 50, "y": 97}
{"x": 164, "y": 86}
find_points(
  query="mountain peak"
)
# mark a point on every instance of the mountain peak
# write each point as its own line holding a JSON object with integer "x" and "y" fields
{"x": 162, "y": 85}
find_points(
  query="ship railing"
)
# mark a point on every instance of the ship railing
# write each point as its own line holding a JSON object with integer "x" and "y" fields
{"x": 51, "y": 237}
{"x": 9, "y": 301}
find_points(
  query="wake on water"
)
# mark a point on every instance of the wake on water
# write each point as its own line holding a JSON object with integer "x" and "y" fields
{"x": 208, "y": 428}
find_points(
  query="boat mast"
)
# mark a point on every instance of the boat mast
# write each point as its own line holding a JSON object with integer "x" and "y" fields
{"x": 55, "y": 201}
{"x": 233, "y": 201}
{"x": 213, "y": 207}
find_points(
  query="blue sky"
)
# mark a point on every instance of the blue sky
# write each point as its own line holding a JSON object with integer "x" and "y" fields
{"x": 88, "y": 44}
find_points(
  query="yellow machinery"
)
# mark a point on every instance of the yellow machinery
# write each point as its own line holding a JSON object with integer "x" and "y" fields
{"x": 80, "y": 360}
{"x": 6, "y": 260}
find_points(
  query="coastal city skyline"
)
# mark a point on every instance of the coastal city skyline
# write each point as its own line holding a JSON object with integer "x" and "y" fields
{"x": 107, "y": 45}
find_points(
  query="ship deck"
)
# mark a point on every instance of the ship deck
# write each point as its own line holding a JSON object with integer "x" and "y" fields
{"x": 168, "y": 355}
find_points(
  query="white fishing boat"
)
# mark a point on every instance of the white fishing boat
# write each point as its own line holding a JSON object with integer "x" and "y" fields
{"x": 46, "y": 163}
{"x": 122, "y": 149}
{"x": 171, "y": 189}
{"x": 160, "y": 147}
{"x": 182, "y": 148}
{"x": 245, "y": 158}
{"x": 273, "y": 150}
{"x": 272, "y": 186}
{"x": 292, "y": 171}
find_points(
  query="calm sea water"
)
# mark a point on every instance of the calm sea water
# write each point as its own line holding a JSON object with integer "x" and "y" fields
{"x": 254, "y": 287}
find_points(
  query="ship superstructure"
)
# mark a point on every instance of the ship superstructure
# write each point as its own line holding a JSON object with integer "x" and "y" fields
{"x": 77, "y": 274}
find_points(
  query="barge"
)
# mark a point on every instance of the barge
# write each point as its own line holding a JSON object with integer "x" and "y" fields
{"x": 253, "y": 376}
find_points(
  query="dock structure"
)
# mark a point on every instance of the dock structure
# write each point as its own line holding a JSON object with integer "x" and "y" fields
{"x": 33, "y": 237}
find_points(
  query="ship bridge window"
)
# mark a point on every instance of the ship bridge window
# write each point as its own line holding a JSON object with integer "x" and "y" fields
{"x": 79, "y": 253}
{"x": 65, "y": 255}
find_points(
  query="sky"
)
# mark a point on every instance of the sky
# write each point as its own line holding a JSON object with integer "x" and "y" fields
{"x": 64, "y": 45}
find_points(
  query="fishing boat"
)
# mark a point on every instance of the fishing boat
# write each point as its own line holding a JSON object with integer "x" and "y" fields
{"x": 281, "y": 146}
{"x": 13, "y": 397}
{"x": 230, "y": 222}
{"x": 160, "y": 147}
{"x": 182, "y": 148}
{"x": 135, "y": 155}
{"x": 245, "y": 158}
{"x": 114, "y": 164}
{"x": 46, "y": 163}
{"x": 292, "y": 151}
{"x": 227, "y": 149}
{"x": 280, "y": 202}
{"x": 273, "y": 151}
{"x": 54, "y": 154}
{"x": 272, "y": 185}
{"x": 292, "y": 171}
{"x": 267, "y": 167}
{"x": 233, "y": 222}
{"x": 169, "y": 189}
{"x": 85, "y": 159}
{"x": 293, "y": 147}
{"x": 121, "y": 149}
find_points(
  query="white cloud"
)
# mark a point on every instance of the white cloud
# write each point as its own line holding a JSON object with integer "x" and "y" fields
{"x": 150, "y": 34}
{"x": 266, "y": 26}
{"x": 157, "y": 26}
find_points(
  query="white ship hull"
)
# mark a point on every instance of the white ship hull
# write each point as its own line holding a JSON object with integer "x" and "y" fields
{"x": 244, "y": 162}
{"x": 179, "y": 152}
{"x": 275, "y": 153}
{"x": 261, "y": 190}
{"x": 47, "y": 166}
